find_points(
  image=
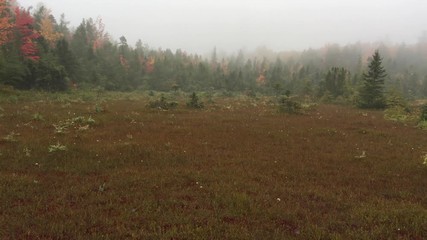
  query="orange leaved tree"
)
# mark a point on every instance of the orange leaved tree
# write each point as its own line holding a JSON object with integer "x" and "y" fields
{"x": 6, "y": 24}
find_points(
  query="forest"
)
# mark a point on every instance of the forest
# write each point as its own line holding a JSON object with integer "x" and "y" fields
{"x": 44, "y": 53}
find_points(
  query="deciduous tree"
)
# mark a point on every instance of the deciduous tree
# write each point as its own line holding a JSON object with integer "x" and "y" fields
{"x": 26, "y": 35}
{"x": 47, "y": 30}
{"x": 6, "y": 24}
{"x": 99, "y": 34}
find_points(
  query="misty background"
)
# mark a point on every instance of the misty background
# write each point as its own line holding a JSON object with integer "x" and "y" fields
{"x": 199, "y": 26}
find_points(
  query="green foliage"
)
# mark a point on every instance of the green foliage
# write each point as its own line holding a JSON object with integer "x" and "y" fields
{"x": 278, "y": 89}
{"x": 287, "y": 105}
{"x": 57, "y": 147}
{"x": 76, "y": 123}
{"x": 372, "y": 92}
{"x": 175, "y": 87}
{"x": 422, "y": 125}
{"x": 38, "y": 117}
{"x": 11, "y": 137}
{"x": 250, "y": 93}
{"x": 397, "y": 113}
{"x": 49, "y": 75}
{"x": 66, "y": 57}
{"x": 336, "y": 80}
{"x": 162, "y": 104}
{"x": 13, "y": 72}
{"x": 326, "y": 97}
{"x": 194, "y": 102}
{"x": 45, "y": 74}
{"x": 423, "y": 115}
{"x": 395, "y": 99}
{"x": 99, "y": 108}
{"x": 7, "y": 90}
{"x": 397, "y": 107}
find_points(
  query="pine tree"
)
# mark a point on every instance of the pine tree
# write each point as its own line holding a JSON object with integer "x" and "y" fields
{"x": 372, "y": 91}
{"x": 335, "y": 81}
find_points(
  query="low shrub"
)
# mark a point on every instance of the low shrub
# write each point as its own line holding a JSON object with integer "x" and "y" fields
{"x": 423, "y": 115}
{"x": 194, "y": 101}
{"x": 397, "y": 113}
{"x": 288, "y": 105}
{"x": 162, "y": 104}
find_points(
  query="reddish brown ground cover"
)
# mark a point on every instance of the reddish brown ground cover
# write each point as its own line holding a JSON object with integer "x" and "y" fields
{"x": 235, "y": 172}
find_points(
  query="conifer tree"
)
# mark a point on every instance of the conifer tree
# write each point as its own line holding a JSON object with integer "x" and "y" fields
{"x": 372, "y": 91}
{"x": 335, "y": 81}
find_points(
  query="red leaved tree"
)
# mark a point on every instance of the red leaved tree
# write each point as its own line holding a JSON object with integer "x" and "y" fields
{"x": 24, "y": 25}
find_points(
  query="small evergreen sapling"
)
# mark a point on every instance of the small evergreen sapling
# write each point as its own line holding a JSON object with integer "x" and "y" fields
{"x": 163, "y": 104}
{"x": 194, "y": 101}
{"x": 288, "y": 105}
{"x": 424, "y": 113}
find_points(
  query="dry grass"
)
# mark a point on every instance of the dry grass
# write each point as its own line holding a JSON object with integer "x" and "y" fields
{"x": 237, "y": 169}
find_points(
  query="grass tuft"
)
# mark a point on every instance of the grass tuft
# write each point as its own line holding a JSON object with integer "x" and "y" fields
{"x": 57, "y": 147}
{"x": 11, "y": 137}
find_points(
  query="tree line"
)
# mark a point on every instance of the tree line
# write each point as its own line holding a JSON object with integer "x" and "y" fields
{"x": 38, "y": 51}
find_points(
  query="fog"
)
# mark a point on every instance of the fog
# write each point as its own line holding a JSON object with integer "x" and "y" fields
{"x": 199, "y": 26}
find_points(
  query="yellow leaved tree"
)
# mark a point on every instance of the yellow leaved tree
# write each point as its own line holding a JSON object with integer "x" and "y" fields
{"x": 47, "y": 29}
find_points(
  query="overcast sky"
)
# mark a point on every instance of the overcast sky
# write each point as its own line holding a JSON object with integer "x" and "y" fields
{"x": 200, "y": 25}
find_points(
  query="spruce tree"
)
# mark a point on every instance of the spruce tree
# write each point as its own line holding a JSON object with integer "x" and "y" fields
{"x": 372, "y": 91}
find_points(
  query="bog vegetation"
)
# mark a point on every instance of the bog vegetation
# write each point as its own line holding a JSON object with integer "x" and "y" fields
{"x": 103, "y": 140}
{"x": 238, "y": 168}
